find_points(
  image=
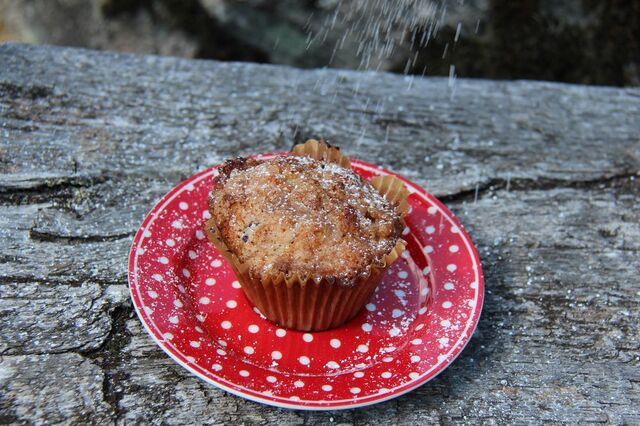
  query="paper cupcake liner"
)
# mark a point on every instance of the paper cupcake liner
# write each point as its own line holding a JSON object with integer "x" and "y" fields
{"x": 321, "y": 150}
{"x": 315, "y": 303}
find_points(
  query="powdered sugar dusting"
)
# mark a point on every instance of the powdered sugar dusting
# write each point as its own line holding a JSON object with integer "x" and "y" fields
{"x": 293, "y": 214}
{"x": 408, "y": 336}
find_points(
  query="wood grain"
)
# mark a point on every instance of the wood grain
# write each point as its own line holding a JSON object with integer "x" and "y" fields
{"x": 544, "y": 176}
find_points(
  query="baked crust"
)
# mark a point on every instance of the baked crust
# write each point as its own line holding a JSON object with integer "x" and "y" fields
{"x": 302, "y": 217}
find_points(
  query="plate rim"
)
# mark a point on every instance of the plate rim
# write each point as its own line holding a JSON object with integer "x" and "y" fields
{"x": 310, "y": 405}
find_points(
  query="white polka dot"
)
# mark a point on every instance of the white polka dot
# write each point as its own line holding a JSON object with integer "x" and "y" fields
{"x": 332, "y": 365}
{"x": 146, "y": 233}
{"x": 253, "y": 328}
{"x": 451, "y": 267}
{"x": 221, "y": 352}
{"x": 414, "y": 376}
{"x": 426, "y": 270}
{"x": 363, "y": 348}
{"x": 294, "y": 398}
{"x": 415, "y": 358}
{"x": 157, "y": 277}
{"x": 298, "y": 383}
{"x": 186, "y": 273}
{"x": 419, "y": 327}
{"x": 205, "y": 300}
{"x": 403, "y": 274}
{"x": 455, "y": 229}
{"x": 386, "y": 375}
{"x": 397, "y": 313}
{"x": 210, "y": 281}
{"x": 432, "y": 210}
{"x": 366, "y": 327}
{"x": 192, "y": 254}
{"x": 394, "y": 332}
{"x": 387, "y": 359}
{"x": 428, "y": 249}
{"x": 422, "y": 310}
{"x": 170, "y": 242}
{"x": 447, "y": 304}
{"x": 307, "y": 337}
{"x": 216, "y": 367}
{"x": 304, "y": 360}
{"x": 281, "y": 332}
{"x": 194, "y": 344}
{"x": 474, "y": 285}
{"x": 445, "y": 323}
{"x": 163, "y": 260}
{"x": 168, "y": 336}
{"x": 199, "y": 329}
{"x": 383, "y": 390}
{"x": 335, "y": 343}
{"x": 179, "y": 225}
{"x": 370, "y": 307}
{"x": 271, "y": 379}
{"x": 177, "y": 303}
{"x": 199, "y": 235}
{"x": 206, "y": 215}
{"x": 327, "y": 388}
{"x": 405, "y": 254}
{"x": 454, "y": 248}
{"x": 276, "y": 355}
{"x": 216, "y": 263}
{"x": 244, "y": 373}
{"x": 191, "y": 359}
{"x": 189, "y": 186}
{"x": 231, "y": 304}
{"x": 222, "y": 343}
{"x": 225, "y": 324}
{"x": 471, "y": 303}
{"x": 257, "y": 311}
{"x": 200, "y": 318}
{"x": 152, "y": 294}
{"x": 424, "y": 291}
{"x": 444, "y": 341}
{"x": 416, "y": 342}
{"x": 183, "y": 205}
{"x": 181, "y": 288}
{"x": 429, "y": 229}
{"x": 355, "y": 391}
{"x": 358, "y": 374}
{"x": 248, "y": 350}
{"x": 442, "y": 358}
{"x": 173, "y": 319}
{"x": 235, "y": 284}
{"x": 406, "y": 230}
{"x": 389, "y": 349}
{"x": 449, "y": 286}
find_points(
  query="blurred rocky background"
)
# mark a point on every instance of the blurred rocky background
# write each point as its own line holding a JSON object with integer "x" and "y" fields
{"x": 578, "y": 41}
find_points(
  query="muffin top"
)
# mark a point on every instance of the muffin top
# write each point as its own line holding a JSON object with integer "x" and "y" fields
{"x": 297, "y": 215}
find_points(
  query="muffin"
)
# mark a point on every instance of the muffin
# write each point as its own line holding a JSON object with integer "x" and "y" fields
{"x": 308, "y": 238}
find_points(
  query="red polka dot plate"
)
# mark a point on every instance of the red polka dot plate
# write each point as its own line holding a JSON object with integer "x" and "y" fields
{"x": 418, "y": 321}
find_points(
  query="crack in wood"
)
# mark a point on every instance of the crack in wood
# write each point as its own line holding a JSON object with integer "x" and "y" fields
{"x": 50, "y": 237}
{"x": 39, "y": 190}
{"x": 108, "y": 356}
{"x": 540, "y": 184}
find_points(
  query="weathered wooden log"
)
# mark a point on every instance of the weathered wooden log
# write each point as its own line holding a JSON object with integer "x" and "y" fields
{"x": 544, "y": 176}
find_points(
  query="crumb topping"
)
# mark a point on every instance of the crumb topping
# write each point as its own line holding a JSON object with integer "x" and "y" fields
{"x": 297, "y": 215}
